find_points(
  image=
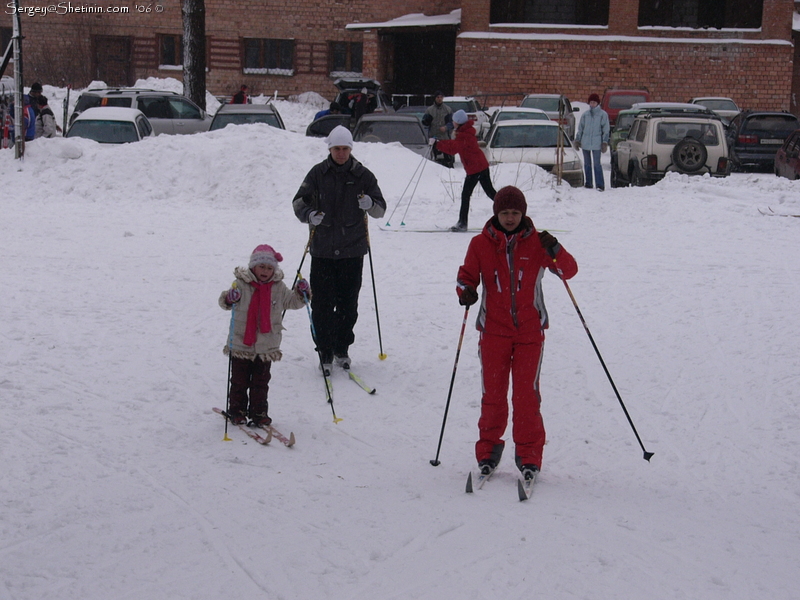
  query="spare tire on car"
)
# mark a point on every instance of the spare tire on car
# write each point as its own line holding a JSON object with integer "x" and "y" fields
{"x": 689, "y": 155}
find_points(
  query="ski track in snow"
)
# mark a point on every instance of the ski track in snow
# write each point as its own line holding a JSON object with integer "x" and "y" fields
{"x": 117, "y": 483}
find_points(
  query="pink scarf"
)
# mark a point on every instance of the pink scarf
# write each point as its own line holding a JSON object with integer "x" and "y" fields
{"x": 258, "y": 314}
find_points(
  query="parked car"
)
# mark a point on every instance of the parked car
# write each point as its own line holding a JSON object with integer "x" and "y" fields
{"x": 513, "y": 113}
{"x": 755, "y": 136}
{"x": 111, "y": 125}
{"x": 724, "y": 107}
{"x": 534, "y": 142}
{"x": 662, "y": 142}
{"x": 168, "y": 112}
{"x": 416, "y": 110}
{"x": 616, "y": 100}
{"x": 470, "y": 106}
{"x": 324, "y": 125}
{"x": 554, "y": 105}
{"x": 349, "y": 87}
{"x": 243, "y": 114}
{"x": 787, "y": 159}
{"x": 625, "y": 117}
{"x": 404, "y": 129}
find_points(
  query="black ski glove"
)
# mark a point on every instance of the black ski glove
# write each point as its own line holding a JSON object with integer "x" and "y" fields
{"x": 468, "y": 296}
{"x": 548, "y": 242}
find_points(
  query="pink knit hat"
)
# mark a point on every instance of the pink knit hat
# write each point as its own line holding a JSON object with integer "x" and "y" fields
{"x": 265, "y": 255}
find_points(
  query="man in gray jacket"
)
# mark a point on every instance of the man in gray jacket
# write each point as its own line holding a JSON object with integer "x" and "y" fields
{"x": 438, "y": 119}
{"x": 334, "y": 199}
{"x": 592, "y": 137}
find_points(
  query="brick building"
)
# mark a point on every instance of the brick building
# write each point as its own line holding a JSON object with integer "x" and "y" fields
{"x": 495, "y": 49}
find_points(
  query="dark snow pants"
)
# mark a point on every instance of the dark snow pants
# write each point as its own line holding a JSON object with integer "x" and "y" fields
{"x": 252, "y": 375}
{"x": 501, "y": 356}
{"x": 470, "y": 182}
{"x": 335, "y": 285}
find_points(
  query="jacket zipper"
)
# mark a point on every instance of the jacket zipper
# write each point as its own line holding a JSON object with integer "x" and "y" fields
{"x": 510, "y": 243}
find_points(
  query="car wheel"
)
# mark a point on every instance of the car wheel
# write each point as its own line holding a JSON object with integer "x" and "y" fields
{"x": 637, "y": 180}
{"x": 689, "y": 155}
{"x": 615, "y": 180}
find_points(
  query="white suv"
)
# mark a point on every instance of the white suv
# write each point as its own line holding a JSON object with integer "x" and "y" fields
{"x": 660, "y": 142}
{"x": 470, "y": 106}
{"x": 168, "y": 112}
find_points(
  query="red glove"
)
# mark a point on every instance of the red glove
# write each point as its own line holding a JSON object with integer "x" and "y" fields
{"x": 233, "y": 296}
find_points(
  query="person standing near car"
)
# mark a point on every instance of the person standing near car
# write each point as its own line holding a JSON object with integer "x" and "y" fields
{"x": 240, "y": 97}
{"x": 438, "y": 119}
{"x": 475, "y": 164}
{"x": 592, "y": 138}
{"x": 334, "y": 199}
{"x": 509, "y": 258}
{"x": 46, "y": 121}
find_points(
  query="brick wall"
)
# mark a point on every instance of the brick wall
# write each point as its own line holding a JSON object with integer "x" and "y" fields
{"x": 754, "y": 75}
{"x": 58, "y": 47}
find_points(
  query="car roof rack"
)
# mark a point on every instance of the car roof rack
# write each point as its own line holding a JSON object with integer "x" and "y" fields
{"x": 120, "y": 90}
{"x": 700, "y": 114}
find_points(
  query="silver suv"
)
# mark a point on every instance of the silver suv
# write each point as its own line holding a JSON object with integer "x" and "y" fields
{"x": 557, "y": 107}
{"x": 168, "y": 112}
{"x": 693, "y": 144}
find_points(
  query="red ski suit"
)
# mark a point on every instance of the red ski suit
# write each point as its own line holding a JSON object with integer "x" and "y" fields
{"x": 512, "y": 319}
{"x": 466, "y": 146}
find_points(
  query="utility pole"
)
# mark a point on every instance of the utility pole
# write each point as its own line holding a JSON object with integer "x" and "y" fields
{"x": 15, "y": 49}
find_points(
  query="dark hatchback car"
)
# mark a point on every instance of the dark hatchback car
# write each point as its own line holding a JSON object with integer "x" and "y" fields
{"x": 405, "y": 129}
{"x": 324, "y": 125}
{"x": 754, "y": 138}
{"x": 787, "y": 160}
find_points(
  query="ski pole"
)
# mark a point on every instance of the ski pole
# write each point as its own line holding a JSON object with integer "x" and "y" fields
{"x": 381, "y": 355}
{"x": 647, "y": 455}
{"x": 302, "y": 260}
{"x": 230, "y": 368}
{"x": 321, "y": 365}
{"x": 414, "y": 191}
{"x": 435, "y": 462}
{"x": 413, "y": 175}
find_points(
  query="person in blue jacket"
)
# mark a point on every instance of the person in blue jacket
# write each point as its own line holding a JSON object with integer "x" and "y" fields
{"x": 592, "y": 137}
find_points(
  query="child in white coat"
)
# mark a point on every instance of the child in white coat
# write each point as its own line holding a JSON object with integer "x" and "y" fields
{"x": 258, "y": 299}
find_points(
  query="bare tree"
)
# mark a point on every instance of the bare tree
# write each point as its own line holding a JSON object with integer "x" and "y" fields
{"x": 194, "y": 51}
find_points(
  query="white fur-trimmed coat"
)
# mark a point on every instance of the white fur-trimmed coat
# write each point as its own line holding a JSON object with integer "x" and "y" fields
{"x": 268, "y": 345}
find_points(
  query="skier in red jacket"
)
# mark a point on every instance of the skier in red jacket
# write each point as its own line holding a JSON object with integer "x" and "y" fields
{"x": 475, "y": 164}
{"x": 509, "y": 258}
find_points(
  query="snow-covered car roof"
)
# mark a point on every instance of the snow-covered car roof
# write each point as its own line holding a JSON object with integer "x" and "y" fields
{"x": 109, "y": 113}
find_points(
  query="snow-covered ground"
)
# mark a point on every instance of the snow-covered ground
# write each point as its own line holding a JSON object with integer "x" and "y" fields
{"x": 117, "y": 482}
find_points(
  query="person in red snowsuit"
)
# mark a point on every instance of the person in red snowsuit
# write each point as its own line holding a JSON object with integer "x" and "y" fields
{"x": 475, "y": 164}
{"x": 509, "y": 258}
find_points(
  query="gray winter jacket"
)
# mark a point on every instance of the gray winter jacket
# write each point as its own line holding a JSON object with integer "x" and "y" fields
{"x": 441, "y": 116}
{"x": 268, "y": 345}
{"x": 334, "y": 190}
{"x": 593, "y": 129}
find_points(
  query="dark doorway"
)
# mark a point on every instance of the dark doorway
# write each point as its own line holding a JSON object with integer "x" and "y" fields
{"x": 424, "y": 61}
{"x": 112, "y": 59}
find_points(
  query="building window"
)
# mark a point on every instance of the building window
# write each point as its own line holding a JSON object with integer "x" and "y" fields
{"x": 269, "y": 57}
{"x": 697, "y": 14}
{"x": 550, "y": 12}
{"x": 346, "y": 57}
{"x": 170, "y": 51}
